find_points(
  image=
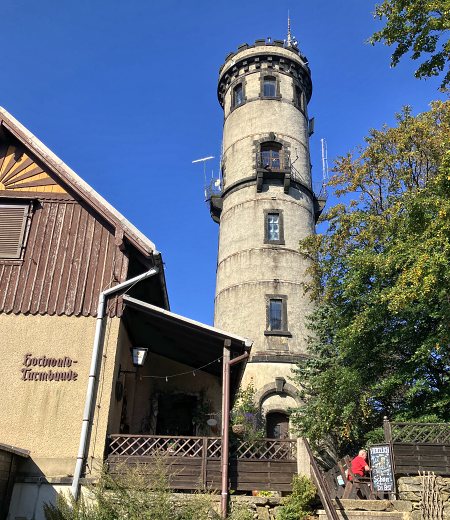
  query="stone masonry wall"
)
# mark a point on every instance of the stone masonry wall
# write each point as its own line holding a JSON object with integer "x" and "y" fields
{"x": 410, "y": 489}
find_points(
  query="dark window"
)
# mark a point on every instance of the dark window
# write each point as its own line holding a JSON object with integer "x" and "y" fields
{"x": 269, "y": 86}
{"x": 277, "y": 425}
{"x": 299, "y": 98}
{"x": 175, "y": 413}
{"x": 271, "y": 155}
{"x": 277, "y": 325}
{"x": 275, "y": 314}
{"x": 238, "y": 95}
{"x": 13, "y": 219}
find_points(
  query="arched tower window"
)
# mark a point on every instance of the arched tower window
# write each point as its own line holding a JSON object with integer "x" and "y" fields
{"x": 271, "y": 156}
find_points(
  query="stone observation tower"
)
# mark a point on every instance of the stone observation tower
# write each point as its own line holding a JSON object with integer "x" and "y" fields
{"x": 266, "y": 205}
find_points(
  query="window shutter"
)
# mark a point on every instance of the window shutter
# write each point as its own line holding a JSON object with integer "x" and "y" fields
{"x": 12, "y": 229}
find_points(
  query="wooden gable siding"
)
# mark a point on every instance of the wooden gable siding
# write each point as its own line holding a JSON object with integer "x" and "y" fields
{"x": 20, "y": 171}
{"x": 70, "y": 257}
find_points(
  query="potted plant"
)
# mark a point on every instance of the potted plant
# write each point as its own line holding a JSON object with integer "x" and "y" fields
{"x": 246, "y": 420}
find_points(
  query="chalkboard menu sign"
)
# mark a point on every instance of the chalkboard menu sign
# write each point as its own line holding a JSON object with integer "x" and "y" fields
{"x": 381, "y": 466}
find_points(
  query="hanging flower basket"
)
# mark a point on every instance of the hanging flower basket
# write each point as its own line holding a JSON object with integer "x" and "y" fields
{"x": 238, "y": 429}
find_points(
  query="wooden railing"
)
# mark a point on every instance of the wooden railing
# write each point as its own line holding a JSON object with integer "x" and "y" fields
{"x": 422, "y": 433}
{"x": 210, "y": 447}
{"x": 266, "y": 449}
{"x": 168, "y": 445}
{"x": 194, "y": 462}
{"x": 419, "y": 447}
{"x": 322, "y": 489}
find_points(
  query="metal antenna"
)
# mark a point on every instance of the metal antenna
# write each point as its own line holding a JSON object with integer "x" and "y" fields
{"x": 324, "y": 163}
{"x": 289, "y": 39}
{"x": 203, "y": 160}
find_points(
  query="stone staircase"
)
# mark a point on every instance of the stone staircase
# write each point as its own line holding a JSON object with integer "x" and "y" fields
{"x": 373, "y": 510}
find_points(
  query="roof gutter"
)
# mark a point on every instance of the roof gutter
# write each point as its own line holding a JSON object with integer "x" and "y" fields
{"x": 94, "y": 373}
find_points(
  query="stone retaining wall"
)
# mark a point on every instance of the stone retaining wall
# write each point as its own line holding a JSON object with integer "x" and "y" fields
{"x": 410, "y": 489}
{"x": 263, "y": 508}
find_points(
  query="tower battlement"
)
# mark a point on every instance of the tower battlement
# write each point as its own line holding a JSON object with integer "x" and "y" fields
{"x": 262, "y": 55}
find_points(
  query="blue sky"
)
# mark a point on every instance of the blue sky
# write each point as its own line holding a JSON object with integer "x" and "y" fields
{"x": 125, "y": 93}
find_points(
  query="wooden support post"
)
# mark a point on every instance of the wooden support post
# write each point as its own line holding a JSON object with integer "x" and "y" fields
{"x": 387, "y": 430}
{"x": 204, "y": 460}
{"x": 225, "y": 425}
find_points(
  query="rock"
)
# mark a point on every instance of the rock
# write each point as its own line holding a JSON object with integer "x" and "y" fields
{"x": 364, "y": 505}
{"x": 263, "y": 513}
{"x": 402, "y": 505}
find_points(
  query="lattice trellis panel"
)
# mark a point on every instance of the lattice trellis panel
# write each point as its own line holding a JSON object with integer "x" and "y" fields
{"x": 427, "y": 433}
{"x": 147, "y": 446}
{"x": 214, "y": 449}
{"x": 267, "y": 449}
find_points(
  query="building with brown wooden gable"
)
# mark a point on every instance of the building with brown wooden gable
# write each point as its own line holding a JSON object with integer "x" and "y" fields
{"x": 69, "y": 386}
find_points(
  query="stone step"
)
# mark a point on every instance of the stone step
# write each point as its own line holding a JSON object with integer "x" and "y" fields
{"x": 363, "y": 515}
{"x": 371, "y": 509}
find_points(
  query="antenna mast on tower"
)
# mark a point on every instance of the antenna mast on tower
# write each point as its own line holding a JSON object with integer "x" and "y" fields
{"x": 291, "y": 41}
{"x": 324, "y": 164}
{"x": 214, "y": 183}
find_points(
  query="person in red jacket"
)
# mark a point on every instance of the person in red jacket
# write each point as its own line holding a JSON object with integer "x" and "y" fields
{"x": 359, "y": 464}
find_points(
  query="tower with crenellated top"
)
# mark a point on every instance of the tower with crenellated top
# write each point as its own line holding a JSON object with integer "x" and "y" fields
{"x": 266, "y": 206}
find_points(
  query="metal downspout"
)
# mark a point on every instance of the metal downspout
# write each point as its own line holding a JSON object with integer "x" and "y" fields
{"x": 94, "y": 372}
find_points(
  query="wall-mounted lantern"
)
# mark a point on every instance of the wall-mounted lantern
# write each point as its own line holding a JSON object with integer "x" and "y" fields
{"x": 139, "y": 355}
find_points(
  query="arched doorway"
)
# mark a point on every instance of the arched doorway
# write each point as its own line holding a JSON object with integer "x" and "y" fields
{"x": 277, "y": 425}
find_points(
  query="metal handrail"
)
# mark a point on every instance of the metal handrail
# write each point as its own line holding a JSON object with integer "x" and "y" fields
{"x": 324, "y": 495}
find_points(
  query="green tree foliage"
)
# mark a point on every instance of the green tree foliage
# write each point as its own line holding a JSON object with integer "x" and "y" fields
{"x": 381, "y": 278}
{"x": 419, "y": 27}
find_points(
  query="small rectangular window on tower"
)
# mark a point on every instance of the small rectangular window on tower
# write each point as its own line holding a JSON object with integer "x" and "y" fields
{"x": 273, "y": 223}
{"x": 269, "y": 86}
{"x": 238, "y": 95}
{"x": 276, "y": 309}
{"x": 273, "y": 226}
{"x": 275, "y": 314}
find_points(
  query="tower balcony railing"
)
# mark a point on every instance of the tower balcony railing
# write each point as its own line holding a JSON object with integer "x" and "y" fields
{"x": 273, "y": 160}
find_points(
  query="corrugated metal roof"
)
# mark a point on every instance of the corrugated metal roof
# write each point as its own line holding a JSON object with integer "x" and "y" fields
{"x": 70, "y": 257}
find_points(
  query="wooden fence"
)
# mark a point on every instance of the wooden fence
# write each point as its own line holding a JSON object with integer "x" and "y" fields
{"x": 195, "y": 462}
{"x": 419, "y": 447}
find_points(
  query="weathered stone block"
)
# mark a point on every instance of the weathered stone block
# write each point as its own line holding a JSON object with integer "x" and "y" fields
{"x": 402, "y": 505}
{"x": 263, "y": 513}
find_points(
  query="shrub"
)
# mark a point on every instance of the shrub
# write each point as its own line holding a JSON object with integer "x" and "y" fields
{"x": 297, "y": 506}
{"x": 240, "y": 512}
{"x": 135, "y": 493}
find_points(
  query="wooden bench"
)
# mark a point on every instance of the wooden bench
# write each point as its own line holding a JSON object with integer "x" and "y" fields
{"x": 354, "y": 486}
